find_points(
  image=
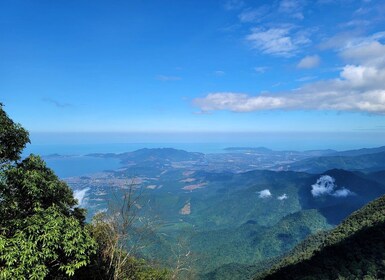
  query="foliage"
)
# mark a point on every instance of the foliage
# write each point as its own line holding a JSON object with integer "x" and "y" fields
{"x": 42, "y": 233}
{"x": 361, "y": 162}
{"x": 45, "y": 244}
{"x": 353, "y": 250}
{"x": 28, "y": 187}
{"x": 13, "y": 138}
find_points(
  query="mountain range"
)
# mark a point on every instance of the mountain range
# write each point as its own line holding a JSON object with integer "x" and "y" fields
{"x": 235, "y": 222}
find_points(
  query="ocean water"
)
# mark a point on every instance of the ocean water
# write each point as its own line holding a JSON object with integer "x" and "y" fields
{"x": 80, "y": 165}
{"x": 84, "y": 149}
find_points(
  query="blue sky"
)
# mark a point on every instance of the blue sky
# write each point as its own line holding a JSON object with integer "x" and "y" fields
{"x": 159, "y": 66}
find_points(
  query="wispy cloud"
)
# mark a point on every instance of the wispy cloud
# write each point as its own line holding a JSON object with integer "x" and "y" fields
{"x": 278, "y": 41}
{"x": 309, "y": 61}
{"x": 219, "y": 73}
{"x": 234, "y": 4}
{"x": 355, "y": 23}
{"x": 56, "y": 103}
{"x": 261, "y": 69}
{"x": 254, "y": 15}
{"x": 165, "y": 78}
{"x": 306, "y": 78}
{"x": 350, "y": 40}
{"x": 292, "y": 7}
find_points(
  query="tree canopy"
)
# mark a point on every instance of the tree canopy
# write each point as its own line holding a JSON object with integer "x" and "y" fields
{"x": 13, "y": 138}
{"x": 42, "y": 232}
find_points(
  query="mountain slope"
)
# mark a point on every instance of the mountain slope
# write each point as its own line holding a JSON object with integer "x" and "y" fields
{"x": 366, "y": 162}
{"x": 364, "y": 151}
{"x": 353, "y": 250}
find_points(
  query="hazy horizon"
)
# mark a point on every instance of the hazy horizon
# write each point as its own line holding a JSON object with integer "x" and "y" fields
{"x": 83, "y": 143}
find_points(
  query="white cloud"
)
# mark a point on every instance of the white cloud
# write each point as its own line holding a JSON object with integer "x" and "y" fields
{"x": 80, "y": 195}
{"x": 325, "y": 185}
{"x": 368, "y": 53}
{"x": 342, "y": 193}
{"x": 282, "y": 197}
{"x": 264, "y": 193}
{"x": 359, "y": 88}
{"x": 309, "y": 61}
{"x": 279, "y": 41}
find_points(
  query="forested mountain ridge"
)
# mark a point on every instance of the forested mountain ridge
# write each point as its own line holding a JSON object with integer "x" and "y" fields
{"x": 370, "y": 162}
{"x": 353, "y": 250}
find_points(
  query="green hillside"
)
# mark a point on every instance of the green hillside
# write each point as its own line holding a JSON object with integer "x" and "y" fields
{"x": 362, "y": 162}
{"x": 353, "y": 250}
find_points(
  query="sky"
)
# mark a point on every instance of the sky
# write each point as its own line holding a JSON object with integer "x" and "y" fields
{"x": 192, "y": 66}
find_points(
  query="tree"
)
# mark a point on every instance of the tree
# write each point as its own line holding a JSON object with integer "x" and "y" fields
{"x": 13, "y": 138}
{"x": 42, "y": 233}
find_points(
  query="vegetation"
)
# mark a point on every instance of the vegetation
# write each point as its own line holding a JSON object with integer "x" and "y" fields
{"x": 230, "y": 225}
{"x": 353, "y": 250}
{"x": 13, "y": 138}
{"x": 373, "y": 161}
{"x": 43, "y": 234}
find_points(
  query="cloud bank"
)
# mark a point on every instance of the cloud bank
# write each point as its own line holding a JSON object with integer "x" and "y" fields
{"x": 360, "y": 86}
{"x": 325, "y": 185}
{"x": 282, "y": 197}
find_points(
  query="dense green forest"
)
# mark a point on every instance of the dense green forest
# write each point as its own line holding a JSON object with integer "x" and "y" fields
{"x": 43, "y": 234}
{"x": 353, "y": 250}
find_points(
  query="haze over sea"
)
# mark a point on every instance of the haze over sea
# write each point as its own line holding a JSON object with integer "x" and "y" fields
{"x": 86, "y": 143}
